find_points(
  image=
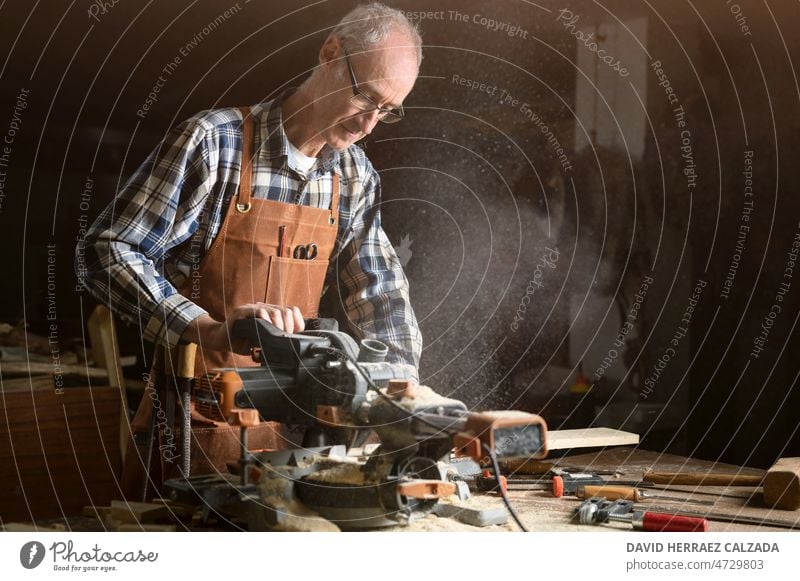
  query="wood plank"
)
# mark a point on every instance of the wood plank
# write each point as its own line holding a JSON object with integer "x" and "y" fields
{"x": 18, "y": 527}
{"x": 99, "y": 512}
{"x": 589, "y": 438}
{"x": 8, "y": 368}
{"x": 146, "y": 528}
{"x": 34, "y": 382}
{"x": 139, "y": 512}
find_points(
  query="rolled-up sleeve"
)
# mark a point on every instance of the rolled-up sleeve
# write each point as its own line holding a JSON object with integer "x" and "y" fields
{"x": 373, "y": 287}
{"x": 157, "y": 210}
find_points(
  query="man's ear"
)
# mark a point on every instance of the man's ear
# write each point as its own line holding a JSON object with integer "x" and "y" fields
{"x": 331, "y": 51}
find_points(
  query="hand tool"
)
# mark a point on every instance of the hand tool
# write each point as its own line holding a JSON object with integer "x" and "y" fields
{"x": 569, "y": 482}
{"x": 527, "y": 466}
{"x": 158, "y": 377}
{"x": 601, "y": 510}
{"x": 306, "y": 252}
{"x": 782, "y": 484}
{"x": 561, "y": 482}
{"x": 167, "y": 431}
{"x": 281, "y": 240}
{"x": 184, "y": 377}
{"x": 486, "y": 482}
{"x": 737, "y": 519}
{"x": 702, "y": 479}
{"x": 630, "y": 493}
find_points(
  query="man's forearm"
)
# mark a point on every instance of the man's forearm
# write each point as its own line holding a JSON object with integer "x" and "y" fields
{"x": 200, "y": 329}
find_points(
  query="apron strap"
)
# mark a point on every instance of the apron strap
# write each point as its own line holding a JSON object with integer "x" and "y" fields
{"x": 334, "y": 199}
{"x": 243, "y": 203}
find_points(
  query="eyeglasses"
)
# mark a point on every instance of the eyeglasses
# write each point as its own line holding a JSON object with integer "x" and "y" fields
{"x": 364, "y": 103}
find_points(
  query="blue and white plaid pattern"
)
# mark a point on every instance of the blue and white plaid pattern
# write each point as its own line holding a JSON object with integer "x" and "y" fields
{"x": 146, "y": 242}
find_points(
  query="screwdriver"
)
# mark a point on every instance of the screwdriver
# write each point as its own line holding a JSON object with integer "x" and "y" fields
{"x": 630, "y": 493}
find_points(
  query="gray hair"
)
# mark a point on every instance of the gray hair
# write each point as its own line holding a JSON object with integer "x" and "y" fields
{"x": 368, "y": 25}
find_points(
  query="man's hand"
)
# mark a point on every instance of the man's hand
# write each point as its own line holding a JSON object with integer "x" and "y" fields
{"x": 215, "y": 335}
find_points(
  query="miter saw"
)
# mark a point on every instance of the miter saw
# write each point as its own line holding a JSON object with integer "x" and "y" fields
{"x": 342, "y": 392}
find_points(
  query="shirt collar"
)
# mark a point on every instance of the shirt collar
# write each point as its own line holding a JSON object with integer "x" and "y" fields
{"x": 277, "y": 143}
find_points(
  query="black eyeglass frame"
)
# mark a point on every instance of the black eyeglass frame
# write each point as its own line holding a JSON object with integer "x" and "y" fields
{"x": 384, "y": 115}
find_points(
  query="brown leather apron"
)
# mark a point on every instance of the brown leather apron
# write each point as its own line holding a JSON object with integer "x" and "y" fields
{"x": 241, "y": 267}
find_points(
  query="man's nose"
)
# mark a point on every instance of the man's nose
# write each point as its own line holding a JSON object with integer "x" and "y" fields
{"x": 367, "y": 121}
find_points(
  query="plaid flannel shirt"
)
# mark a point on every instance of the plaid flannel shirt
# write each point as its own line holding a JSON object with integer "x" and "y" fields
{"x": 146, "y": 242}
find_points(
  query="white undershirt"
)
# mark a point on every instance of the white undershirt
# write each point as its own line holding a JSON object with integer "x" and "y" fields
{"x": 303, "y": 162}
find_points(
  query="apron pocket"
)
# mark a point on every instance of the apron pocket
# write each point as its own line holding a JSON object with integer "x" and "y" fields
{"x": 296, "y": 283}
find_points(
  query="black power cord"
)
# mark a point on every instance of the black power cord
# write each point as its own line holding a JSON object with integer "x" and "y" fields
{"x": 502, "y": 490}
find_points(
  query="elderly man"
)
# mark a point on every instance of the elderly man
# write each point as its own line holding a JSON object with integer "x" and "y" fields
{"x": 253, "y": 212}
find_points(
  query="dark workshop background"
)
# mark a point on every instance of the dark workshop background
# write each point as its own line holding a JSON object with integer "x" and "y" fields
{"x": 536, "y": 216}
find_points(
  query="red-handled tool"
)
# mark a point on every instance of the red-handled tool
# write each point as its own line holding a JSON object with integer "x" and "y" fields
{"x": 657, "y": 521}
{"x": 600, "y": 510}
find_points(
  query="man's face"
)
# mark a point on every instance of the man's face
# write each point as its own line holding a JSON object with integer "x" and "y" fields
{"x": 385, "y": 74}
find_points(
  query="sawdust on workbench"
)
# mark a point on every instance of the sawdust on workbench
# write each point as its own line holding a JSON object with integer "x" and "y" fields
{"x": 345, "y": 473}
{"x": 294, "y": 515}
{"x": 433, "y": 523}
{"x": 476, "y": 501}
{"x": 537, "y": 513}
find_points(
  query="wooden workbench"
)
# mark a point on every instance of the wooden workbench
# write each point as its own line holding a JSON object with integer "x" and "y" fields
{"x": 540, "y": 511}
